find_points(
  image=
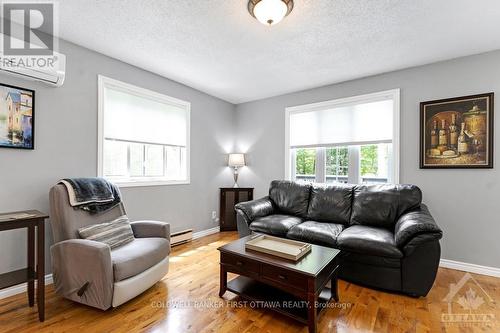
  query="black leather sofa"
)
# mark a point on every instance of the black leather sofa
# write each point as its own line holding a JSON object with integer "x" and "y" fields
{"x": 388, "y": 238}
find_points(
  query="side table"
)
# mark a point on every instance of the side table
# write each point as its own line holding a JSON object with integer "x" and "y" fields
{"x": 29, "y": 219}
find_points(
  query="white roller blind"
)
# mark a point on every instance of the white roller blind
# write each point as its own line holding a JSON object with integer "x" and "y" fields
{"x": 131, "y": 117}
{"x": 354, "y": 125}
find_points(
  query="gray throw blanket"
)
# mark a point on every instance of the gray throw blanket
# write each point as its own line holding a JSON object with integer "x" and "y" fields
{"x": 94, "y": 195}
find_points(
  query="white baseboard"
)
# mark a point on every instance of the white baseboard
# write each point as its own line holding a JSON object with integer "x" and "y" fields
{"x": 21, "y": 288}
{"x": 204, "y": 233}
{"x": 472, "y": 268}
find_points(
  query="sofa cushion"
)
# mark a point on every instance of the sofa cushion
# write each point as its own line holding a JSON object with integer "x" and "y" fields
{"x": 137, "y": 256}
{"x": 330, "y": 203}
{"x": 276, "y": 224}
{"x": 321, "y": 233}
{"x": 381, "y": 205}
{"x": 369, "y": 240}
{"x": 291, "y": 198}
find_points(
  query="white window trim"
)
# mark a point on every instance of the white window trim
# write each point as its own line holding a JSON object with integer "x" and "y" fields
{"x": 393, "y": 94}
{"x": 106, "y": 82}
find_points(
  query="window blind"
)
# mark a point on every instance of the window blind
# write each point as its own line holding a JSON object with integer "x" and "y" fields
{"x": 130, "y": 117}
{"x": 358, "y": 124}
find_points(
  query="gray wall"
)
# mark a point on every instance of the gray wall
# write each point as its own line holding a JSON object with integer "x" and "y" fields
{"x": 66, "y": 146}
{"x": 465, "y": 203}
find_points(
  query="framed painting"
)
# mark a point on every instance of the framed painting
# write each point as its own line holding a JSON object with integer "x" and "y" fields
{"x": 17, "y": 117}
{"x": 457, "y": 132}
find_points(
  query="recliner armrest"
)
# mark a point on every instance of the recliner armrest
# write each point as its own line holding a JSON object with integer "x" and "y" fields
{"x": 416, "y": 224}
{"x": 83, "y": 271}
{"x": 256, "y": 208}
{"x": 146, "y": 229}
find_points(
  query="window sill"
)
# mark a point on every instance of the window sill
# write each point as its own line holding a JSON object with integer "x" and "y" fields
{"x": 123, "y": 184}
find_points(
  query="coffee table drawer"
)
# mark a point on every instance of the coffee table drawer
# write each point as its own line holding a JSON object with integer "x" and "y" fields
{"x": 240, "y": 264}
{"x": 286, "y": 278}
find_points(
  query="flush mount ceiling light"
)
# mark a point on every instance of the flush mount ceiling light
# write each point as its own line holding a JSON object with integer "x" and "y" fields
{"x": 270, "y": 12}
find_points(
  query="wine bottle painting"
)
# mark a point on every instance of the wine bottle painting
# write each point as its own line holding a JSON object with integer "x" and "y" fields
{"x": 457, "y": 132}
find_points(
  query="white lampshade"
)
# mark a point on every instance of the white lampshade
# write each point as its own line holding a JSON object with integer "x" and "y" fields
{"x": 270, "y": 11}
{"x": 236, "y": 160}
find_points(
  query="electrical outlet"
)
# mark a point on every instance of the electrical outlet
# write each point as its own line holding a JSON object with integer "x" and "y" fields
{"x": 214, "y": 215}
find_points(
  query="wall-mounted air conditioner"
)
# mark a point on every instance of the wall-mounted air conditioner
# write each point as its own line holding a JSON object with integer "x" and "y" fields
{"x": 46, "y": 69}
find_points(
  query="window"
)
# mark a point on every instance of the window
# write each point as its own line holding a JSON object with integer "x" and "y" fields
{"x": 143, "y": 136}
{"x": 337, "y": 164}
{"x": 375, "y": 163}
{"x": 351, "y": 140}
{"x": 305, "y": 166}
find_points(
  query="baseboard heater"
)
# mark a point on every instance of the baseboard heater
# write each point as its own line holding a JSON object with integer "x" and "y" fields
{"x": 181, "y": 237}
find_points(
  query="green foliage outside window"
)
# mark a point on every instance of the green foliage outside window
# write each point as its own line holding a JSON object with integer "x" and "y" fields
{"x": 369, "y": 160}
{"x": 305, "y": 161}
{"x": 337, "y": 161}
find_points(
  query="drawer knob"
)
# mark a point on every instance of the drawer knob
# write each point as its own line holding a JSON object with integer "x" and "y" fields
{"x": 282, "y": 277}
{"x": 239, "y": 263}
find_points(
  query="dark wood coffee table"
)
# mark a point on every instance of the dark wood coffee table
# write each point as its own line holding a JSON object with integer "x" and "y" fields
{"x": 295, "y": 289}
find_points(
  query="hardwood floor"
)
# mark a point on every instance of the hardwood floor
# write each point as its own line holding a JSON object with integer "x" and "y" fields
{"x": 186, "y": 300}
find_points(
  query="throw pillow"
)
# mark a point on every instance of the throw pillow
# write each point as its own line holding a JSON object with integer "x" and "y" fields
{"x": 114, "y": 233}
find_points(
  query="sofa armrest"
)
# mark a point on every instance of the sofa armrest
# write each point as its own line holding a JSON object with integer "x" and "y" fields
{"x": 243, "y": 224}
{"x": 416, "y": 226}
{"x": 256, "y": 208}
{"x": 83, "y": 272}
{"x": 146, "y": 229}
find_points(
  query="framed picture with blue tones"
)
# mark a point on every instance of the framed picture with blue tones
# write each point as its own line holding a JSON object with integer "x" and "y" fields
{"x": 17, "y": 117}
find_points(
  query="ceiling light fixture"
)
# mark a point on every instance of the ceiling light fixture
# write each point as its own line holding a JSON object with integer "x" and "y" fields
{"x": 270, "y": 12}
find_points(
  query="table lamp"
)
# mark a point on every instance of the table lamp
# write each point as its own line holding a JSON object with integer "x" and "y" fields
{"x": 236, "y": 161}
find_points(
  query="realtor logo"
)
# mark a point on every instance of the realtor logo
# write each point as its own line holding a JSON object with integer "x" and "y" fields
{"x": 28, "y": 28}
{"x": 468, "y": 304}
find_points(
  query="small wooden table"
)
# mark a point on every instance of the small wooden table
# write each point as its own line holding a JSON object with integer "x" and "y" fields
{"x": 31, "y": 273}
{"x": 295, "y": 289}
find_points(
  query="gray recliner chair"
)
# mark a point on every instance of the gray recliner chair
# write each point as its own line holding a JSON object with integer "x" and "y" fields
{"x": 89, "y": 272}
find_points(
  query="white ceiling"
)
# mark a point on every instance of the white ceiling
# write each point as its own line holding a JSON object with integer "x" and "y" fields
{"x": 217, "y": 47}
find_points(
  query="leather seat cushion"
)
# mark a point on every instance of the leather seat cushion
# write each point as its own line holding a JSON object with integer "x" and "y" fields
{"x": 369, "y": 240}
{"x": 137, "y": 256}
{"x": 330, "y": 203}
{"x": 290, "y": 198}
{"x": 381, "y": 205}
{"x": 320, "y": 233}
{"x": 276, "y": 224}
